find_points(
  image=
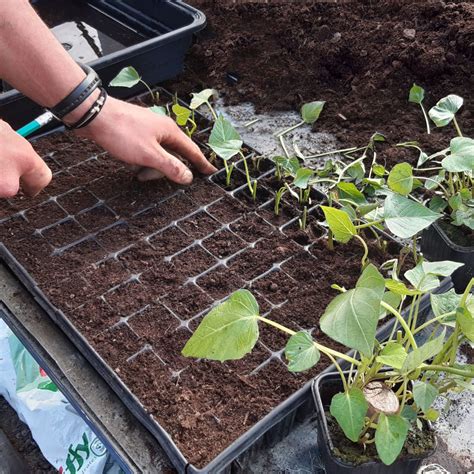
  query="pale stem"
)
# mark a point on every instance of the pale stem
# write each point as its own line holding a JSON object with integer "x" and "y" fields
{"x": 149, "y": 90}
{"x": 433, "y": 320}
{"x": 211, "y": 108}
{"x": 366, "y": 250}
{"x": 427, "y": 121}
{"x": 333, "y": 152}
{"x": 402, "y": 322}
{"x": 283, "y": 145}
{"x": 290, "y": 129}
{"x": 451, "y": 370}
{"x": 456, "y": 125}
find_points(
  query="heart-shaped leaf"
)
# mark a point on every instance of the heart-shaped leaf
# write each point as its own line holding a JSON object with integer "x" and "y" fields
{"x": 228, "y": 332}
{"x": 340, "y": 224}
{"x": 461, "y": 158}
{"x": 182, "y": 114}
{"x": 442, "y": 268}
{"x": 445, "y": 110}
{"x": 200, "y": 98}
{"x": 393, "y": 355}
{"x": 349, "y": 409}
{"x": 417, "y": 356}
{"x": 390, "y": 437}
{"x": 225, "y": 141}
{"x": 424, "y": 394}
{"x": 349, "y": 192}
{"x": 289, "y": 165}
{"x": 417, "y": 94}
{"x": 400, "y": 179}
{"x": 422, "y": 280}
{"x": 351, "y": 318}
{"x": 301, "y": 352}
{"x": 405, "y": 218}
{"x": 127, "y": 77}
{"x": 303, "y": 175}
{"x": 465, "y": 319}
{"x": 310, "y": 112}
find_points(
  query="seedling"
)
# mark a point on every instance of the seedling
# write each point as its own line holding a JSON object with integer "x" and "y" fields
{"x": 129, "y": 77}
{"x": 226, "y": 143}
{"x": 203, "y": 98}
{"x": 406, "y": 392}
{"x": 185, "y": 116}
{"x": 416, "y": 96}
{"x": 444, "y": 112}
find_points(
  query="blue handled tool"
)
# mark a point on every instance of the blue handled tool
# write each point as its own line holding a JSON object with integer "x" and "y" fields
{"x": 36, "y": 124}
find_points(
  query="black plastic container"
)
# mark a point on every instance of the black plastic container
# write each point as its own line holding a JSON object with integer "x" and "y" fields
{"x": 324, "y": 388}
{"x": 436, "y": 245}
{"x": 165, "y": 28}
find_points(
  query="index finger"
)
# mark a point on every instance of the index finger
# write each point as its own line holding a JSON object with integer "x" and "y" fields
{"x": 179, "y": 142}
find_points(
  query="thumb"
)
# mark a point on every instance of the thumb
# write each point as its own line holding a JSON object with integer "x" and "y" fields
{"x": 36, "y": 177}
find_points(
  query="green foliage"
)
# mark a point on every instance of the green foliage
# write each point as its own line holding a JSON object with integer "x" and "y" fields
{"x": 201, "y": 98}
{"x": 224, "y": 140}
{"x": 183, "y": 114}
{"x": 461, "y": 158}
{"x": 424, "y": 394}
{"x": 416, "y": 357}
{"x": 340, "y": 224}
{"x": 390, "y": 437}
{"x": 349, "y": 409}
{"x": 417, "y": 94}
{"x": 158, "y": 110}
{"x": 301, "y": 352}
{"x": 405, "y": 218}
{"x": 393, "y": 355}
{"x": 445, "y": 110}
{"x": 311, "y": 111}
{"x": 351, "y": 318}
{"x": 228, "y": 332}
{"x": 465, "y": 319}
{"x": 302, "y": 178}
{"x": 400, "y": 179}
{"x": 127, "y": 77}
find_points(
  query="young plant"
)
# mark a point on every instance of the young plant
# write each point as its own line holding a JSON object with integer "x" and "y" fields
{"x": 444, "y": 112}
{"x": 226, "y": 143}
{"x": 185, "y": 118}
{"x": 129, "y": 77}
{"x": 203, "y": 98}
{"x": 406, "y": 392}
{"x": 416, "y": 96}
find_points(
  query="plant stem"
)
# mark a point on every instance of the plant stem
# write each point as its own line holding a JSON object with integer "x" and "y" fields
{"x": 228, "y": 172}
{"x": 456, "y": 125}
{"x": 290, "y": 129}
{"x": 366, "y": 250}
{"x": 466, "y": 293}
{"x": 149, "y": 90}
{"x": 252, "y": 122}
{"x": 369, "y": 224}
{"x": 333, "y": 152}
{"x": 433, "y": 320}
{"x": 211, "y": 108}
{"x": 402, "y": 322}
{"x": 341, "y": 373}
{"x": 427, "y": 121}
{"x": 404, "y": 397}
{"x": 451, "y": 370}
{"x": 252, "y": 188}
{"x": 323, "y": 349}
{"x": 415, "y": 253}
{"x": 282, "y": 142}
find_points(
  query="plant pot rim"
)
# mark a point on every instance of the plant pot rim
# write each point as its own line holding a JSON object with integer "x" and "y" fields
{"x": 449, "y": 242}
{"x": 315, "y": 388}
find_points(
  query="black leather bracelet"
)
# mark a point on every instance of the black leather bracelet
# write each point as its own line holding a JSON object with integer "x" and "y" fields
{"x": 92, "y": 113}
{"x": 78, "y": 95}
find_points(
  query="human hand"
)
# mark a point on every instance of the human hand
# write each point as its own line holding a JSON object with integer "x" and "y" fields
{"x": 19, "y": 163}
{"x": 139, "y": 137}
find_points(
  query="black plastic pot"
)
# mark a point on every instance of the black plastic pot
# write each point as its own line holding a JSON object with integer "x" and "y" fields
{"x": 324, "y": 388}
{"x": 163, "y": 31}
{"x": 436, "y": 246}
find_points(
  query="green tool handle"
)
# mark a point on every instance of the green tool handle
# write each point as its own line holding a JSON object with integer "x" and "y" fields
{"x": 35, "y": 125}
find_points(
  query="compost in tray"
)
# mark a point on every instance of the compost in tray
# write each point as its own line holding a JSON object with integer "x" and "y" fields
{"x": 135, "y": 267}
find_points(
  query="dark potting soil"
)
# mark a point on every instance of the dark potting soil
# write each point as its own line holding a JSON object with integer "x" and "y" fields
{"x": 460, "y": 235}
{"x": 136, "y": 266}
{"x": 417, "y": 444}
{"x": 361, "y": 57}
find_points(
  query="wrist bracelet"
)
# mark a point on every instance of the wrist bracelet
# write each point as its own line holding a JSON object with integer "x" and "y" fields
{"x": 78, "y": 95}
{"x": 92, "y": 113}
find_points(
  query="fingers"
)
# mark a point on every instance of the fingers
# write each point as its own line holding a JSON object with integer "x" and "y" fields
{"x": 36, "y": 178}
{"x": 9, "y": 184}
{"x": 149, "y": 174}
{"x": 174, "y": 169}
{"x": 179, "y": 142}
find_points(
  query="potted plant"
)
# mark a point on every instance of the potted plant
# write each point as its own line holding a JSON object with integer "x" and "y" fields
{"x": 381, "y": 407}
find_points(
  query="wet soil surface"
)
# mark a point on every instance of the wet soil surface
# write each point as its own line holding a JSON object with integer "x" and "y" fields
{"x": 135, "y": 267}
{"x": 361, "y": 57}
{"x": 20, "y": 437}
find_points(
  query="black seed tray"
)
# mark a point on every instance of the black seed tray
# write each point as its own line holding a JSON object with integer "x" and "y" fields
{"x": 101, "y": 240}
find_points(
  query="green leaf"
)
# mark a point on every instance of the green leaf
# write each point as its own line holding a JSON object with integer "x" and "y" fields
{"x": 225, "y": 140}
{"x": 391, "y": 298}
{"x": 158, "y": 110}
{"x": 417, "y": 94}
{"x": 421, "y": 280}
{"x": 303, "y": 175}
{"x": 378, "y": 170}
{"x": 438, "y": 204}
{"x": 423, "y": 158}
{"x": 445, "y": 110}
{"x": 390, "y": 437}
{"x": 340, "y": 224}
{"x": 182, "y": 114}
{"x": 400, "y": 288}
{"x": 434, "y": 181}
{"x": 351, "y": 318}
{"x": 417, "y": 356}
{"x": 461, "y": 158}
{"x": 127, "y": 77}
{"x": 349, "y": 192}
{"x": 442, "y": 268}
{"x": 424, "y": 394}
{"x": 432, "y": 414}
{"x": 393, "y": 355}
{"x": 349, "y": 409}
{"x": 301, "y": 352}
{"x": 466, "y": 322}
{"x": 405, "y": 218}
{"x": 228, "y": 332}
{"x": 289, "y": 165}
{"x": 400, "y": 179}
{"x": 310, "y": 112}
{"x": 200, "y": 98}
{"x": 445, "y": 302}
{"x": 409, "y": 413}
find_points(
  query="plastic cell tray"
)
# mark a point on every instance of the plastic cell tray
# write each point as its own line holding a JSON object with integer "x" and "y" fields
{"x": 151, "y": 35}
{"x": 239, "y": 455}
